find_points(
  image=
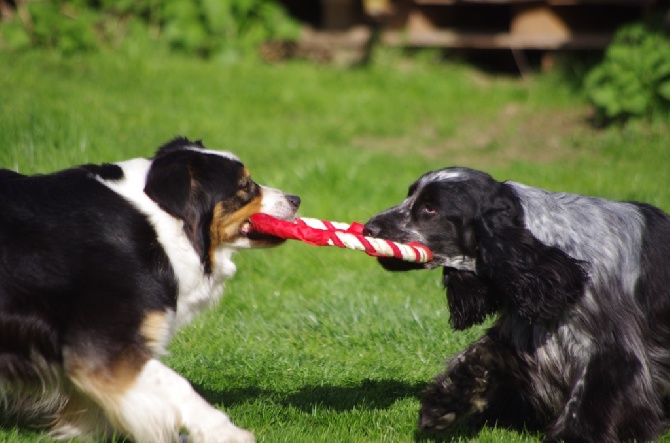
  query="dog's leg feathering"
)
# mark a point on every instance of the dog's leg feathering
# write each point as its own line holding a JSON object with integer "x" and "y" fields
{"x": 477, "y": 386}
{"x": 152, "y": 403}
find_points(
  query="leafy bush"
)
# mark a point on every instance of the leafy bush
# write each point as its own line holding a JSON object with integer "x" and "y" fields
{"x": 633, "y": 80}
{"x": 203, "y": 27}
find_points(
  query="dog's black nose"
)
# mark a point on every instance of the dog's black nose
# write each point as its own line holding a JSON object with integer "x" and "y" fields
{"x": 371, "y": 229}
{"x": 293, "y": 200}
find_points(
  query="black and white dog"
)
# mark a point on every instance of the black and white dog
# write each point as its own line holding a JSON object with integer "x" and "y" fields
{"x": 581, "y": 287}
{"x": 100, "y": 265}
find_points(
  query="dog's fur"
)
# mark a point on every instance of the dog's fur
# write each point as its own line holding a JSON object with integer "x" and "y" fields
{"x": 99, "y": 266}
{"x": 581, "y": 288}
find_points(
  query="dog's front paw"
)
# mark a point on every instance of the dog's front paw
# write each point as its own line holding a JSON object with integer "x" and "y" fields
{"x": 435, "y": 419}
{"x": 227, "y": 434}
{"x": 438, "y": 410}
{"x": 238, "y": 435}
{"x": 445, "y": 402}
{"x": 218, "y": 429}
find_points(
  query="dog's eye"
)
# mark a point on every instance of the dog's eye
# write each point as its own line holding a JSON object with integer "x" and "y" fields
{"x": 246, "y": 188}
{"x": 245, "y": 185}
{"x": 428, "y": 209}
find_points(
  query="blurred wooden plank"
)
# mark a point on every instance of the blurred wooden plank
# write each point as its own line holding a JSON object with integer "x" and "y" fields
{"x": 478, "y": 24}
{"x": 454, "y": 2}
{"x": 538, "y": 21}
{"x": 451, "y": 39}
{"x": 550, "y": 2}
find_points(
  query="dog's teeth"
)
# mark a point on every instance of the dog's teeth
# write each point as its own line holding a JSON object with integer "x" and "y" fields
{"x": 245, "y": 228}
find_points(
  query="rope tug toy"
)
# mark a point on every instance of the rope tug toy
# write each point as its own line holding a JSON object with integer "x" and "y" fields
{"x": 328, "y": 233}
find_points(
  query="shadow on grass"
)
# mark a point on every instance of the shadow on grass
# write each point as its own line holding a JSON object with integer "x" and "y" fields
{"x": 368, "y": 394}
{"x": 236, "y": 396}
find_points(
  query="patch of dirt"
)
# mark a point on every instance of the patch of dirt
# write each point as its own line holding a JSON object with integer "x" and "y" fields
{"x": 516, "y": 134}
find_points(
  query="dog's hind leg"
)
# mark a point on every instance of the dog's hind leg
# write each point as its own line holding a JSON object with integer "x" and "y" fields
{"x": 80, "y": 417}
{"x": 147, "y": 401}
{"x": 613, "y": 401}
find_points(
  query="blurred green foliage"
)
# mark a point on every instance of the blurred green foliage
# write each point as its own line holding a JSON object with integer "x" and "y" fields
{"x": 633, "y": 80}
{"x": 208, "y": 28}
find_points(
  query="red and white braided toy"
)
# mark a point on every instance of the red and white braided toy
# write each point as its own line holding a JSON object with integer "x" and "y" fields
{"x": 327, "y": 233}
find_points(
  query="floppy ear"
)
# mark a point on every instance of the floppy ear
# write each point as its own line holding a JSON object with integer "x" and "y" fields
{"x": 469, "y": 298}
{"x": 536, "y": 280}
{"x": 171, "y": 185}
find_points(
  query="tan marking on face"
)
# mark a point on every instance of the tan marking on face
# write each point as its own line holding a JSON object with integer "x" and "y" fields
{"x": 156, "y": 331}
{"x": 226, "y": 225}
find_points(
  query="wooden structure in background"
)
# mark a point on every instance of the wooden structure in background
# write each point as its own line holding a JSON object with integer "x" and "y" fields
{"x": 545, "y": 25}
{"x": 522, "y": 24}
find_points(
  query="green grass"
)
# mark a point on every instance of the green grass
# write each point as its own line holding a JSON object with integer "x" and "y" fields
{"x": 319, "y": 344}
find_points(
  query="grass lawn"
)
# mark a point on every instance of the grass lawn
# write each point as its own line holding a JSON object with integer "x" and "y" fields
{"x": 320, "y": 344}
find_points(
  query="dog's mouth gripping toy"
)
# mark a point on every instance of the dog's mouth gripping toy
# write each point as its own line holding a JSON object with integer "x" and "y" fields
{"x": 328, "y": 233}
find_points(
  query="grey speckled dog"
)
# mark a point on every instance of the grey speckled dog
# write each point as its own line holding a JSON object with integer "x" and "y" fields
{"x": 581, "y": 289}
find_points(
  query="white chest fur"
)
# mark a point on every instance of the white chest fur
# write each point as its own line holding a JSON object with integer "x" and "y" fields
{"x": 197, "y": 290}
